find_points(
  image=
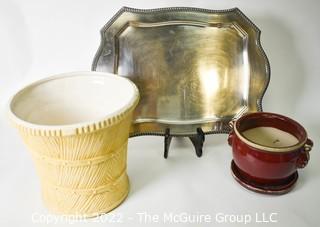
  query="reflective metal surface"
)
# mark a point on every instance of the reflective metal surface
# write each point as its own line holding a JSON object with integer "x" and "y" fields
{"x": 195, "y": 68}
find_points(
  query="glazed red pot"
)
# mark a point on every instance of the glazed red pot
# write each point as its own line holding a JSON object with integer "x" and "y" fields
{"x": 267, "y": 164}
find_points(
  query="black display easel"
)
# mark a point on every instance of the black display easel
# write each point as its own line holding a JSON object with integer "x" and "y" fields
{"x": 197, "y": 141}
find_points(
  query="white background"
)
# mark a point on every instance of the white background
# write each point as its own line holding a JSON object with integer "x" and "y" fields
{"x": 41, "y": 38}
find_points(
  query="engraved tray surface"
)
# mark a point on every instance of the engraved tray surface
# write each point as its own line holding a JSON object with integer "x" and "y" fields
{"x": 195, "y": 68}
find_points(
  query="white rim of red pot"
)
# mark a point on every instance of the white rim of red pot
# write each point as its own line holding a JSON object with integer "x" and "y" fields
{"x": 267, "y": 148}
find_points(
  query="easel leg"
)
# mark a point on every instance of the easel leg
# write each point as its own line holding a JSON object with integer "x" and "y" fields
{"x": 167, "y": 141}
{"x": 197, "y": 141}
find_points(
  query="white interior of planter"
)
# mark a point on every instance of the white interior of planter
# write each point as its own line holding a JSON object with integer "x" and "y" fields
{"x": 73, "y": 98}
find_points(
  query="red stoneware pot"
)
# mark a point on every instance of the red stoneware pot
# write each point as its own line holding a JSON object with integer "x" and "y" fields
{"x": 268, "y": 165}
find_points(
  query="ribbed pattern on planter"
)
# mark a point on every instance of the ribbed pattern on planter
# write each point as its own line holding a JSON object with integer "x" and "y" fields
{"x": 84, "y": 173}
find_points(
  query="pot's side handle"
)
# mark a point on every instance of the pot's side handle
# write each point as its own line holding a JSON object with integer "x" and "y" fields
{"x": 305, "y": 156}
{"x": 231, "y": 133}
{"x": 308, "y": 145}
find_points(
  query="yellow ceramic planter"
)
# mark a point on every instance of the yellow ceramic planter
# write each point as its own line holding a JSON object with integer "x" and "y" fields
{"x": 76, "y": 126}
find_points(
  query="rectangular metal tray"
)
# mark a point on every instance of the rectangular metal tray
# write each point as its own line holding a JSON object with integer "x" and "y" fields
{"x": 195, "y": 68}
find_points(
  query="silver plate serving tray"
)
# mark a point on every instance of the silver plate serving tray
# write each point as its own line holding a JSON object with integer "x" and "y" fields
{"x": 196, "y": 69}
